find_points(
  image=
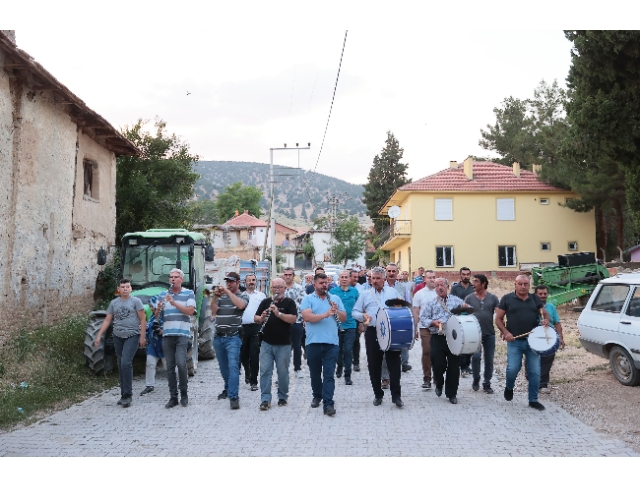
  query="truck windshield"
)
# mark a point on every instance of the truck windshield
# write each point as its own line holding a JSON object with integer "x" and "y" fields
{"x": 148, "y": 263}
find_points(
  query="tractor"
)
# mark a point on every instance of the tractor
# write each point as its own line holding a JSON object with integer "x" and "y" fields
{"x": 147, "y": 258}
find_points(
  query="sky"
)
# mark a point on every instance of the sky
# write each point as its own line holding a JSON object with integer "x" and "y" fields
{"x": 262, "y": 74}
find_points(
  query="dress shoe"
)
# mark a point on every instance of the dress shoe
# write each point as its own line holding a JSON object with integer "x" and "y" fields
{"x": 453, "y": 400}
{"x": 119, "y": 403}
{"x": 438, "y": 391}
{"x": 315, "y": 402}
{"x": 234, "y": 403}
{"x": 184, "y": 400}
{"x": 536, "y": 405}
{"x": 338, "y": 374}
{"x": 172, "y": 403}
{"x": 126, "y": 402}
{"x": 348, "y": 381}
{"x": 356, "y": 367}
{"x": 223, "y": 395}
{"x": 406, "y": 368}
{"x": 398, "y": 402}
{"x": 476, "y": 385}
{"x": 330, "y": 411}
{"x": 377, "y": 401}
{"x": 487, "y": 389}
{"x": 147, "y": 390}
{"x": 508, "y": 394}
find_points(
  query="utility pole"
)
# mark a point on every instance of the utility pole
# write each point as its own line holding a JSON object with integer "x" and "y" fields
{"x": 334, "y": 202}
{"x": 272, "y": 214}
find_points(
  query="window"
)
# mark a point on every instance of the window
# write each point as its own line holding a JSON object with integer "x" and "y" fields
{"x": 506, "y": 209}
{"x": 633, "y": 309}
{"x": 506, "y": 256}
{"x": 90, "y": 179}
{"x": 444, "y": 208}
{"x": 610, "y": 299}
{"x": 545, "y": 245}
{"x": 544, "y": 201}
{"x": 573, "y": 246}
{"x": 444, "y": 256}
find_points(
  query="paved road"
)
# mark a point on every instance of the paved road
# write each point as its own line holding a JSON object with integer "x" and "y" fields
{"x": 480, "y": 425}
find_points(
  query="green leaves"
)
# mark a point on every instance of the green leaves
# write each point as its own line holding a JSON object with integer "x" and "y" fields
{"x": 238, "y": 198}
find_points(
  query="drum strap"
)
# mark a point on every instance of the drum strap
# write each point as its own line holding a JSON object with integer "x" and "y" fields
{"x": 447, "y": 310}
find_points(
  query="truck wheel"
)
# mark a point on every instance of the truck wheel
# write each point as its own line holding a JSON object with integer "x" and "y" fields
{"x": 97, "y": 359}
{"x": 192, "y": 349}
{"x": 205, "y": 333}
{"x": 622, "y": 367}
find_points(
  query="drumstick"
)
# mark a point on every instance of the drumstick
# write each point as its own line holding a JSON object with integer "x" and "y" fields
{"x": 546, "y": 333}
{"x": 523, "y": 335}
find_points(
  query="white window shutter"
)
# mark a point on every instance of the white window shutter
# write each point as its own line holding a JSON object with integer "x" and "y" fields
{"x": 506, "y": 209}
{"x": 444, "y": 208}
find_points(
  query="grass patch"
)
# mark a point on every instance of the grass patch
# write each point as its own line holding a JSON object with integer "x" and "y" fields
{"x": 597, "y": 368}
{"x": 43, "y": 368}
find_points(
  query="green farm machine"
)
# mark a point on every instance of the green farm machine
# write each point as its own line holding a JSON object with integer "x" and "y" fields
{"x": 575, "y": 277}
{"x": 147, "y": 258}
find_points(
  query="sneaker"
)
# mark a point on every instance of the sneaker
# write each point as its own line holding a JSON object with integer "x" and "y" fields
{"x": 172, "y": 403}
{"x": 487, "y": 389}
{"x": 147, "y": 390}
{"x": 508, "y": 394}
{"x": 254, "y": 387}
{"x": 282, "y": 402}
{"x": 299, "y": 374}
{"x": 385, "y": 383}
{"x": 223, "y": 395}
{"x": 234, "y": 403}
{"x": 453, "y": 400}
{"x": 330, "y": 411}
{"x": 476, "y": 385}
{"x": 348, "y": 381}
{"x": 406, "y": 368}
{"x": 536, "y": 405}
{"x": 119, "y": 403}
{"x": 438, "y": 391}
{"x": 463, "y": 373}
{"x": 315, "y": 402}
{"x": 426, "y": 384}
{"x": 356, "y": 367}
{"x": 184, "y": 400}
{"x": 339, "y": 374}
{"x": 126, "y": 402}
{"x": 545, "y": 390}
{"x": 264, "y": 405}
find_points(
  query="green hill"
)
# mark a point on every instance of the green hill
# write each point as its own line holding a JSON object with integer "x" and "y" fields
{"x": 293, "y": 198}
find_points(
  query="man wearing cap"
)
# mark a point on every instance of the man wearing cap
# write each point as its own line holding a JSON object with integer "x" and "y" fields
{"x": 228, "y": 304}
{"x": 250, "y": 349}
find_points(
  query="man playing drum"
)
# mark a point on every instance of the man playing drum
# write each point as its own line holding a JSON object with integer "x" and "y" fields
{"x": 365, "y": 311}
{"x": 485, "y": 304}
{"x": 522, "y": 311}
{"x": 437, "y": 312}
{"x": 420, "y": 299}
{"x": 546, "y": 362}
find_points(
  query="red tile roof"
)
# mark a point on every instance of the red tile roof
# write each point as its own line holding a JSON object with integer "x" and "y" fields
{"x": 245, "y": 220}
{"x": 487, "y": 176}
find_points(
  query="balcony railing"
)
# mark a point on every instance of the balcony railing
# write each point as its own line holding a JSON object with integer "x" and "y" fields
{"x": 399, "y": 228}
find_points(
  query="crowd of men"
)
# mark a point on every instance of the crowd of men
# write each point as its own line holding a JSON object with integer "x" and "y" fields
{"x": 323, "y": 323}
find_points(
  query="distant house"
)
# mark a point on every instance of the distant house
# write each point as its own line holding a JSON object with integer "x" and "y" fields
{"x": 485, "y": 216}
{"x": 634, "y": 253}
{"x": 57, "y": 199}
{"x": 321, "y": 240}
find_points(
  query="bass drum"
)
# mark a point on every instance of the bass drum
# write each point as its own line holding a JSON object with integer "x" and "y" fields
{"x": 395, "y": 329}
{"x": 464, "y": 335}
{"x": 544, "y": 340}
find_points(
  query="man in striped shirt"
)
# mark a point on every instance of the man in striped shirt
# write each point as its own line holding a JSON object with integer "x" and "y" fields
{"x": 175, "y": 306}
{"x": 228, "y": 304}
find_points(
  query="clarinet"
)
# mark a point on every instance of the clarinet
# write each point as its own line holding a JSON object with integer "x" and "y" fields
{"x": 268, "y": 314}
{"x": 335, "y": 315}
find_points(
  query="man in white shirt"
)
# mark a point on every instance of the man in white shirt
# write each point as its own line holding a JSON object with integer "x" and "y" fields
{"x": 421, "y": 298}
{"x": 250, "y": 349}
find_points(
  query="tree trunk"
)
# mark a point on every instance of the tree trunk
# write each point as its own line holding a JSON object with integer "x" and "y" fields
{"x": 620, "y": 216}
{"x": 602, "y": 234}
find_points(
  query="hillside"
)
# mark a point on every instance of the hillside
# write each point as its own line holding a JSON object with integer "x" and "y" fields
{"x": 292, "y": 199}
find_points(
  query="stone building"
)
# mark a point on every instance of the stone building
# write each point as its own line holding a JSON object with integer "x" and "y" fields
{"x": 57, "y": 193}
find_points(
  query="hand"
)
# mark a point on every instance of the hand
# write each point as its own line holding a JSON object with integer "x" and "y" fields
{"x": 97, "y": 342}
{"x": 508, "y": 337}
{"x": 366, "y": 318}
{"x": 417, "y": 335}
{"x": 143, "y": 342}
{"x": 561, "y": 343}
{"x": 544, "y": 322}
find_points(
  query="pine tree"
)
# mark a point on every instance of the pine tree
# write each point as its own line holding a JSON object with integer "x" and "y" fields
{"x": 385, "y": 176}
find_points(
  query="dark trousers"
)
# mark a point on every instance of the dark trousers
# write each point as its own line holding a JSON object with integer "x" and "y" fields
{"x": 345, "y": 354}
{"x": 321, "y": 359}
{"x": 175, "y": 354}
{"x": 126, "y": 349}
{"x": 444, "y": 361}
{"x": 296, "y": 345}
{"x": 374, "y": 361}
{"x": 250, "y": 352}
{"x": 465, "y": 361}
{"x": 545, "y": 369}
{"x": 356, "y": 348}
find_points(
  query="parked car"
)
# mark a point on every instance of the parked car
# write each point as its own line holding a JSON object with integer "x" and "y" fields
{"x": 609, "y": 325}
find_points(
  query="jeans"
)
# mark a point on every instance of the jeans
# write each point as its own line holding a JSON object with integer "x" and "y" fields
{"x": 515, "y": 351}
{"x": 444, "y": 361}
{"x": 296, "y": 345}
{"x": 175, "y": 353}
{"x": 545, "y": 368}
{"x": 375, "y": 358}
{"x": 321, "y": 359}
{"x": 281, "y": 355}
{"x": 356, "y": 349}
{"x": 250, "y": 352}
{"x": 404, "y": 354}
{"x": 489, "y": 347}
{"x": 228, "y": 354}
{"x": 345, "y": 354}
{"x": 125, "y": 351}
{"x": 425, "y": 340}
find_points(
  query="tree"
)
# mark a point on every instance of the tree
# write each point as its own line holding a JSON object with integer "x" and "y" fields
{"x": 204, "y": 212}
{"x": 238, "y": 198}
{"x": 154, "y": 188}
{"x": 348, "y": 237}
{"x": 386, "y": 175}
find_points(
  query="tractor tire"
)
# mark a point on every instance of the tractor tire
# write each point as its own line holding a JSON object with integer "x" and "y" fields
{"x": 205, "y": 334}
{"x": 192, "y": 349}
{"x": 96, "y": 358}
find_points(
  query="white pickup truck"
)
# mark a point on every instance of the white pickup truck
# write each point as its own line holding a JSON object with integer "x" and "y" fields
{"x": 609, "y": 325}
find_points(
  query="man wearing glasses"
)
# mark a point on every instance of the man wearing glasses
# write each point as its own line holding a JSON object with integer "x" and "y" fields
{"x": 275, "y": 316}
{"x": 295, "y": 292}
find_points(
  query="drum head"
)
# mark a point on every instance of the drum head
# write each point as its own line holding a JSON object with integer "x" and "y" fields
{"x": 454, "y": 335}
{"x": 544, "y": 340}
{"x": 383, "y": 329}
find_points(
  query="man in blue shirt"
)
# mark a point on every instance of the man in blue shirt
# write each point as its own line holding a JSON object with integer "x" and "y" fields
{"x": 365, "y": 311}
{"x": 554, "y": 322}
{"x": 322, "y": 341}
{"x": 348, "y": 295}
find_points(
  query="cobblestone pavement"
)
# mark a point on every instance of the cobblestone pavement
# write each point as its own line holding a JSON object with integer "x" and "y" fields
{"x": 479, "y": 425}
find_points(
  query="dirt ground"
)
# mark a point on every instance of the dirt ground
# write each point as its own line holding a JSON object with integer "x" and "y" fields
{"x": 582, "y": 383}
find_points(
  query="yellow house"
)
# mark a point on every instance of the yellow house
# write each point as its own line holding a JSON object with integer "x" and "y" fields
{"x": 484, "y": 216}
